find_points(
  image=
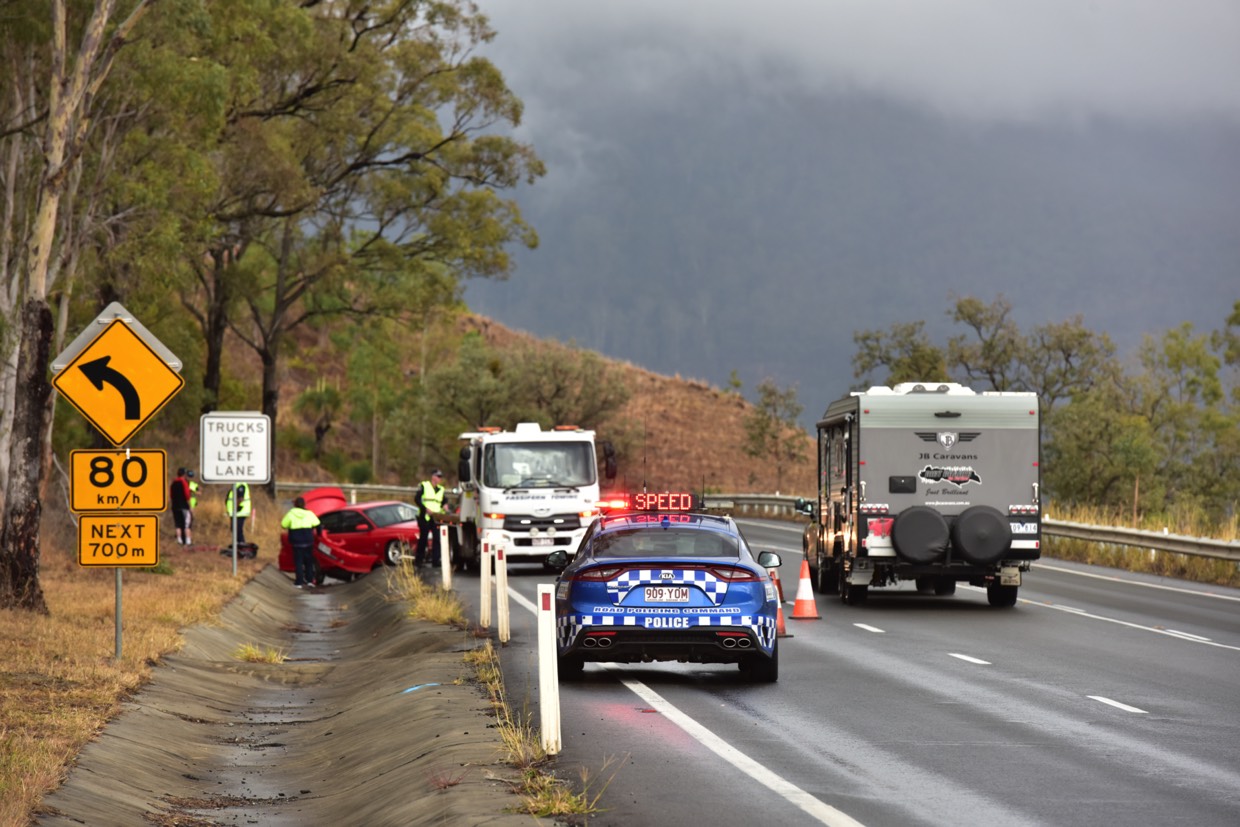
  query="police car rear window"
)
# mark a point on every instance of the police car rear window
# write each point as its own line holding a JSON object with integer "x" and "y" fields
{"x": 665, "y": 543}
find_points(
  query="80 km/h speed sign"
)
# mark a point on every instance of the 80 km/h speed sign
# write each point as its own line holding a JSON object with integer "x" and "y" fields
{"x": 118, "y": 480}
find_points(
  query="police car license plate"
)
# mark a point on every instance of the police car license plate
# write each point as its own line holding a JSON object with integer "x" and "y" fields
{"x": 667, "y": 594}
{"x": 541, "y": 541}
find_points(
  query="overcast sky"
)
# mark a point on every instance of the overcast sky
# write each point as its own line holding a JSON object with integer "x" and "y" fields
{"x": 1007, "y": 69}
{"x": 987, "y": 59}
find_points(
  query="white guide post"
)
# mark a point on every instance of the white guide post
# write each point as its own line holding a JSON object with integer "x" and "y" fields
{"x": 548, "y": 671}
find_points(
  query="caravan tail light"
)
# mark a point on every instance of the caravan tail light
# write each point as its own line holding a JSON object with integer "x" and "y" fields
{"x": 1022, "y": 509}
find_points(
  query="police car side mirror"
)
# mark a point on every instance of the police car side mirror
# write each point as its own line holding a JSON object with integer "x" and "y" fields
{"x": 557, "y": 560}
{"x": 769, "y": 560}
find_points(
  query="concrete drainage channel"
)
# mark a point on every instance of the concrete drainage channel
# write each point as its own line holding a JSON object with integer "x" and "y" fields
{"x": 362, "y": 724}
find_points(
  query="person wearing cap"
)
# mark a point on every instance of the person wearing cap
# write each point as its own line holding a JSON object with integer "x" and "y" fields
{"x": 178, "y": 502}
{"x": 429, "y": 500}
{"x": 301, "y": 524}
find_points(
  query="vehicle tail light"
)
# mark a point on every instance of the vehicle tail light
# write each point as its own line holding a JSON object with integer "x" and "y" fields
{"x": 875, "y": 508}
{"x": 603, "y": 573}
{"x": 735, "y": 575}
{"x": 1022, "y": 509}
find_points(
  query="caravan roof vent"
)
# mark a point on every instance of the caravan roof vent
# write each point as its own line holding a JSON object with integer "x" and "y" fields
{"x": 932, "y": 387}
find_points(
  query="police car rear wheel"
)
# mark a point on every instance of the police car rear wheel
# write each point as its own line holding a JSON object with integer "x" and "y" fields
{"x": 571, "y": 667}
{"x": 760, "y": 669}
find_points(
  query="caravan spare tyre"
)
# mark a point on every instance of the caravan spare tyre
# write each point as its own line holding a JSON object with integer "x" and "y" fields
{"x": 982, "y": 534}
{"x": 920, "y": 535}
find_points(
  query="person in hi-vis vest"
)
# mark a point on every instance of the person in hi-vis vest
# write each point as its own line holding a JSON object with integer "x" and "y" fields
{"x": 429, "y": 500}
{"x": 242, "y": 493}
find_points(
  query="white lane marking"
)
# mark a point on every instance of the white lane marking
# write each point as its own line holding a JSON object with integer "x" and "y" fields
{"x": 970, "y": 659}
{"x": 869, "y": 628}
{"x": 1188, "y": 636}
{"x": 1117, "y": 704}
{"x": 1154, "y": 629}
{"x": 824, "y": 813}
{"x": 1126, "y": 581}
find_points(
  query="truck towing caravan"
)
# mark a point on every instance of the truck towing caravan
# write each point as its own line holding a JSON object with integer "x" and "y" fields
{"x": 929, "y": 482}
{"x": 532, "y": 491}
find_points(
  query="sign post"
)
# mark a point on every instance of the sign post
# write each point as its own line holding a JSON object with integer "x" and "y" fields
{"x": 118, "y": 376}
{"x": 235, "y": 447}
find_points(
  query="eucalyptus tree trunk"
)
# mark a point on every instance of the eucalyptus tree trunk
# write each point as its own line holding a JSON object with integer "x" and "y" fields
{"x": 71, "y": 90}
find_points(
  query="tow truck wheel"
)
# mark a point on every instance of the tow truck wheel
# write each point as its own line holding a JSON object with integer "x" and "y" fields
{"x": 571, "y": 667}
{"x": 469, "y": 550}
{"x": 394, "y": 553}
{"x": 1001, "y": 596}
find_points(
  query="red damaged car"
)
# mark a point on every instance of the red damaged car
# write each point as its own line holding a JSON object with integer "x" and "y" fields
{"x": 355, "y": 538}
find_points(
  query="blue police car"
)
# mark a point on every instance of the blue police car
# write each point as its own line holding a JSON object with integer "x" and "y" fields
{"x": 664, "y": 581}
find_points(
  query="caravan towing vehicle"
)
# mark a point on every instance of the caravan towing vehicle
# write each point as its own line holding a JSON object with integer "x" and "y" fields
{"x": 928, "y": 482}
{"x": 532, "y": 491}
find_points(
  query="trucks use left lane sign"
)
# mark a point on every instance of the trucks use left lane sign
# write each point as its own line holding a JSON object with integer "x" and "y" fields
{"x": 118, "y": 382}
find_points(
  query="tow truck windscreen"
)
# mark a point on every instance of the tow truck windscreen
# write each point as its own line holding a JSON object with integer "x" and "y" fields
{"x": 538, "y": 465}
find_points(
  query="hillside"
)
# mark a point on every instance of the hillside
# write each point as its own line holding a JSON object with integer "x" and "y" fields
{"x": 678, "y": 433}
{"x": 672, "y": 433}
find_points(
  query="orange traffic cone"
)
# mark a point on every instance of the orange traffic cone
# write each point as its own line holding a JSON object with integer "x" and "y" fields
{"x": 781, "y": 628}
{"x": 805, "y": 608}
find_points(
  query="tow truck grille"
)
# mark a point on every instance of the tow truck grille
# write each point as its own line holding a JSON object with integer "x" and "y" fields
{"x": 560, "y": 522}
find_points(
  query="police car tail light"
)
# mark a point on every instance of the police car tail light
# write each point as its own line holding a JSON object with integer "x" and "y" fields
{"x": 735, "y": 575}
{"x": 603, "y": 574}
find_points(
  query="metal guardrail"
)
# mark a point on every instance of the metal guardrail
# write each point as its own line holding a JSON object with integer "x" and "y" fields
{"x": 779, "y": 506}
{"x": 1154, "y": 540}
{"x": 783, "y": 507}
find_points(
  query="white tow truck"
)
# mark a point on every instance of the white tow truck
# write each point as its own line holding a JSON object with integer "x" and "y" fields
{"x": 531, "y": 491}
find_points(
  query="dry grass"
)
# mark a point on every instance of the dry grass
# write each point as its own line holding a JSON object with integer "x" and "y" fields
{"x": 1130, "y": 558}
{"x": 59, "y": 680}
{"x": 252, "y": 653}
{"x": 542, "y": 793}
{"x": 425, "y": 601}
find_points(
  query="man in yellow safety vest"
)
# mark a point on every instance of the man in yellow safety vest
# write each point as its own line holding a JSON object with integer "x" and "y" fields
{"x": 240, "y": 492}
{"x": 429, "y": 500}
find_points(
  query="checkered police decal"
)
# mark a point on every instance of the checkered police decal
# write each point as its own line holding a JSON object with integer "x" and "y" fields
{"x": 569, "y": 626}
{"x": 704, "y": 580}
